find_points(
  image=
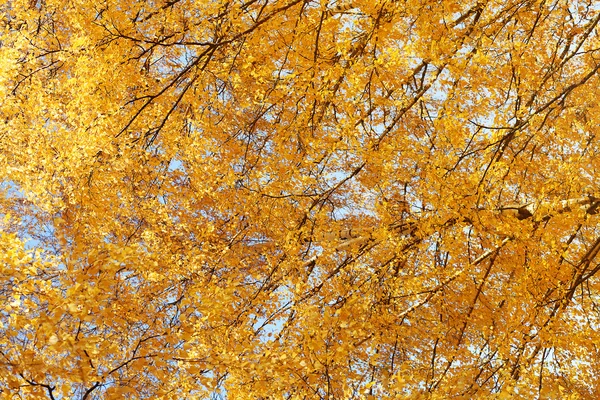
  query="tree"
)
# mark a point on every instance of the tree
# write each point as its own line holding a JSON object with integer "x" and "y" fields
{"x": 299, "y": 199}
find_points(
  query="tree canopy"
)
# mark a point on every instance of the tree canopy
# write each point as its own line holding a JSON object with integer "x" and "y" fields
{"x": 299, "y": 199}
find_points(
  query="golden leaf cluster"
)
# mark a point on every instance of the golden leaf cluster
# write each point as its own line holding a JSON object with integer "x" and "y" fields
{"x": 299, "y": 199}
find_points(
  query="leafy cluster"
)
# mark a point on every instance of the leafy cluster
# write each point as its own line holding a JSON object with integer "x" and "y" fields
{"x": 299, "y": 199}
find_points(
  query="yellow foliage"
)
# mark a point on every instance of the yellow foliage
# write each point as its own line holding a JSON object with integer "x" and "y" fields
{"x": 299, "y": 199}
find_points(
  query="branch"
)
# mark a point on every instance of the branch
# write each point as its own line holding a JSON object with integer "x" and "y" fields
{"x": 48, "y": 387}
{"x": 432, "y": 292}
{"x": 90, "y": 390}
{"x": 543, "y": 211}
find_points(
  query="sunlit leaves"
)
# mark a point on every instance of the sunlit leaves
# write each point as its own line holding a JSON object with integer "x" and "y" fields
{"x": 299, "y": 199}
